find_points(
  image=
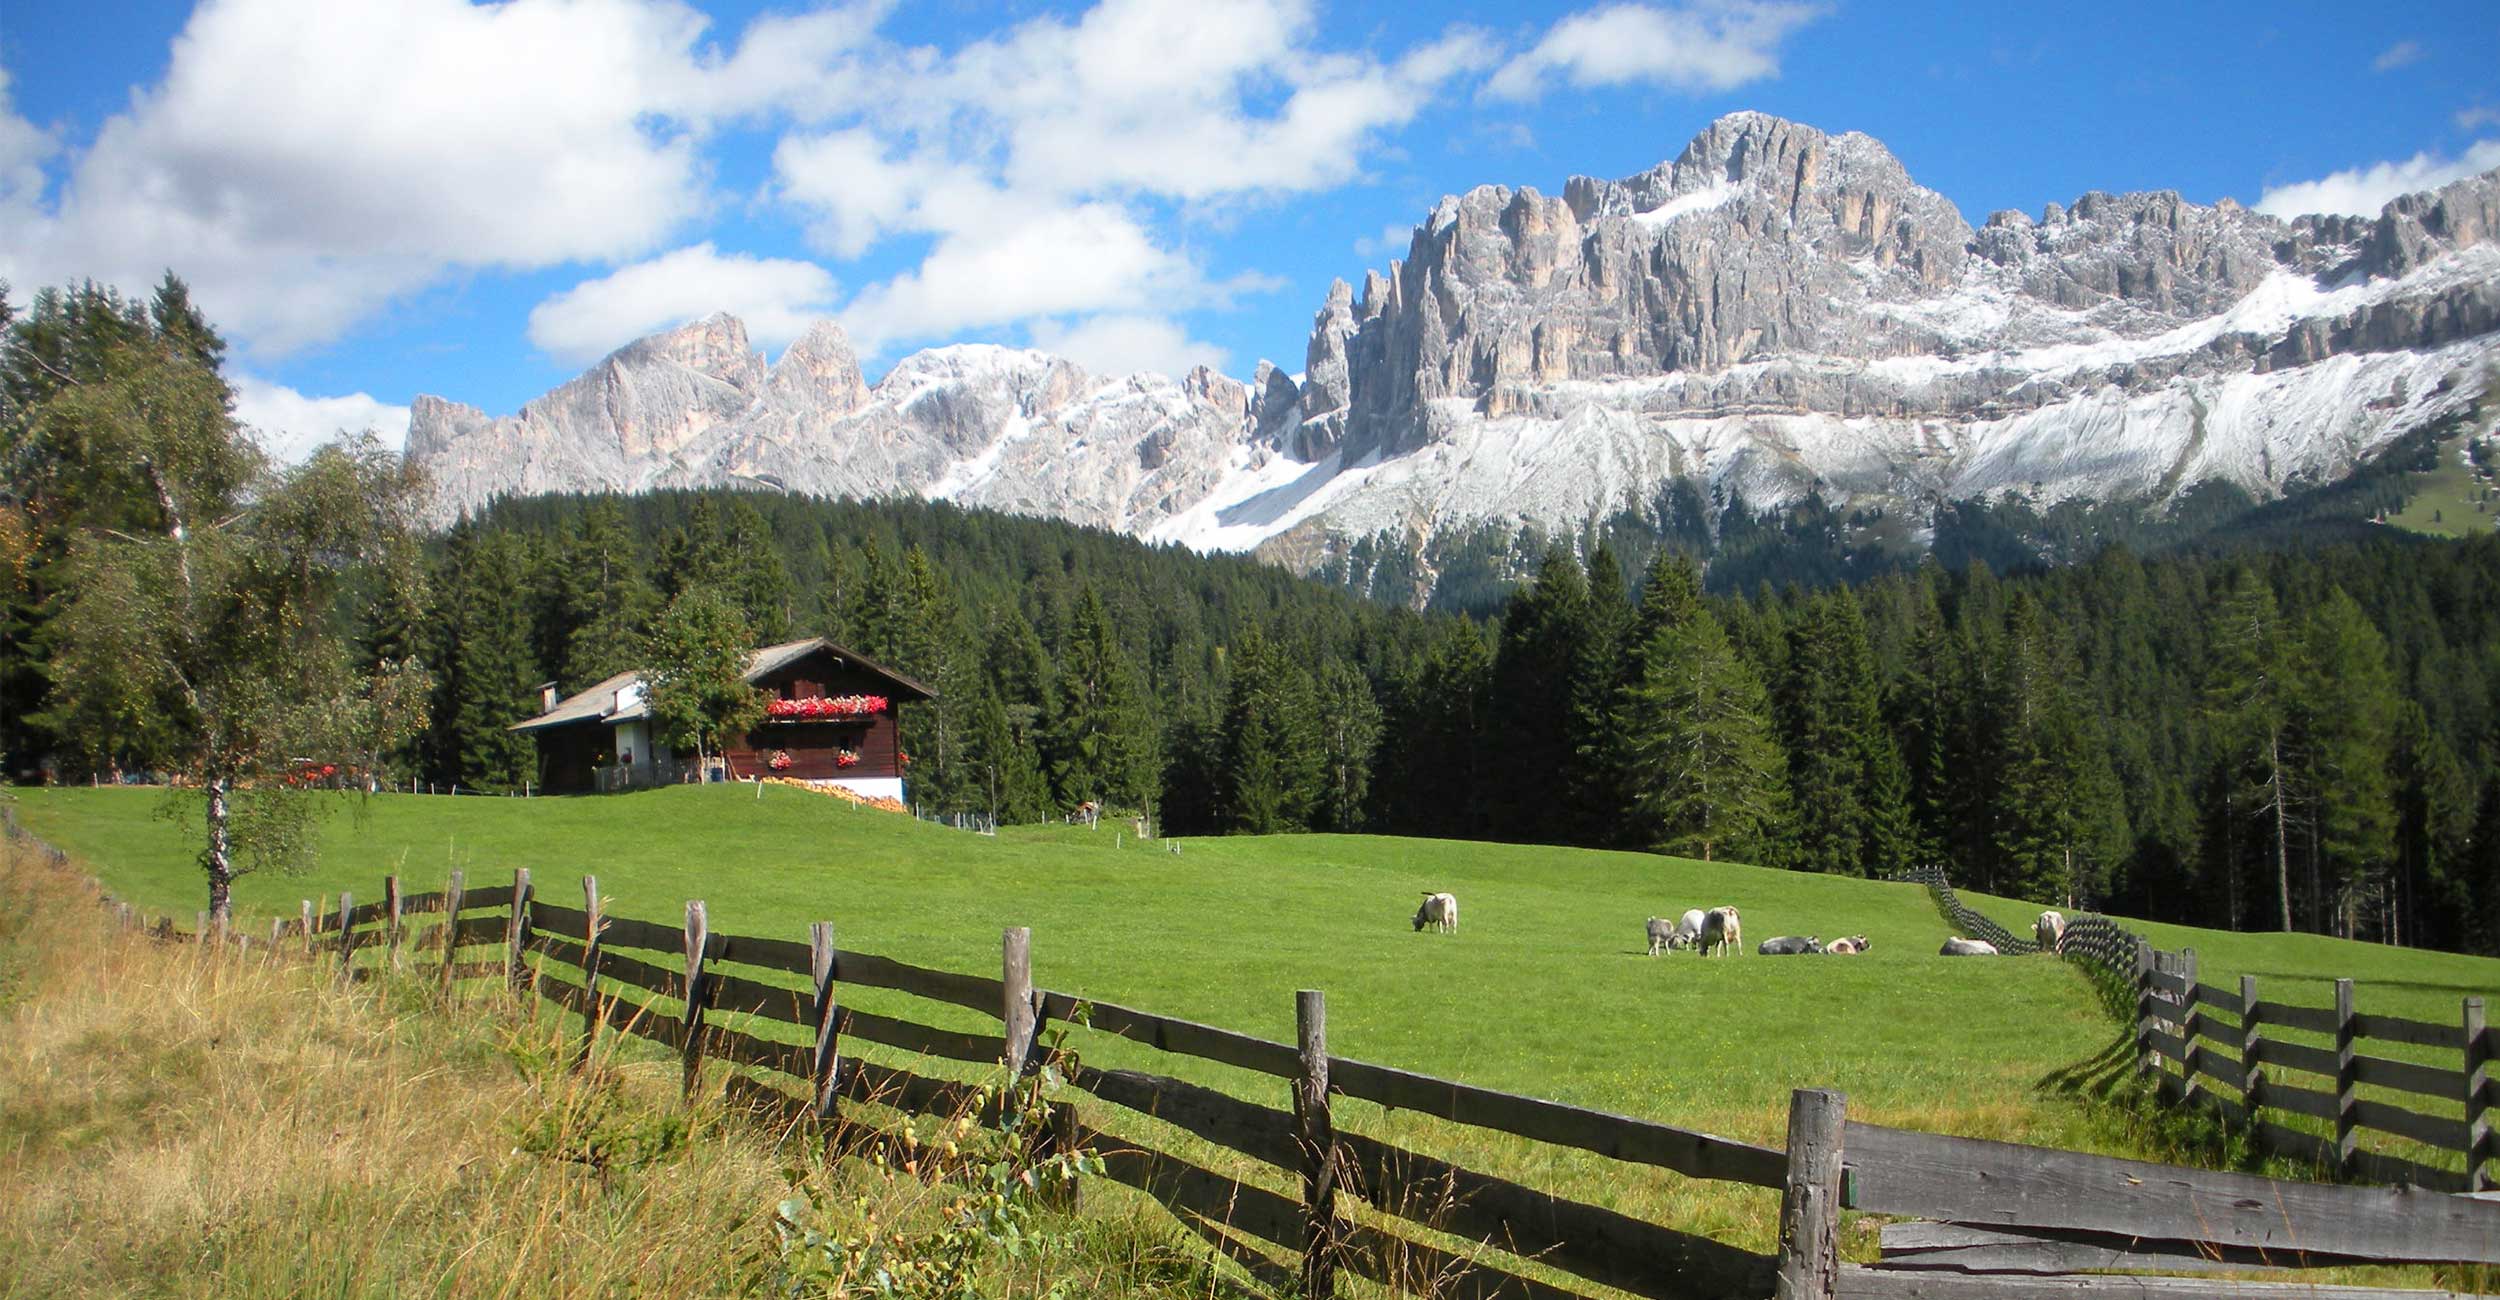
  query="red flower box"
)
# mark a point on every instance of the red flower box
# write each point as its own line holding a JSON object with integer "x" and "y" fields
{"x": 826, "y": 706}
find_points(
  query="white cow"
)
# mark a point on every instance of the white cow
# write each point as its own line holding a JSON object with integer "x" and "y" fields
{"x": 1967, "y": 948}
{"x": 1439, "y": 911}
{"x": 1687, "y": 930}
{"x": 1856, "y": 943}
{"x": 2050, "y": 932}
{"x": 1721, "y": 929}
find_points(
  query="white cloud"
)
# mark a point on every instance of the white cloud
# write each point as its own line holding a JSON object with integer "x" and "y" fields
{"x": 2398, "y": 55}
{"x": 23, "y": 149}
{"x": 2362, "y": 191}
{"x": 777, "y": 298}
{"x": 1123, "y": 345}
{"x": 2477, "y": 117}
{"x": 291, "y": 425}
{"x": 1394, "y": 239}
{"x": 1704, "y": 45}
{"x": 301, "y": 165}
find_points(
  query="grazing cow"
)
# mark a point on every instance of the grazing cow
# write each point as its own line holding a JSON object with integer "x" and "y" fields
{"x": 1661, "y": 936}
{"x": 1688, "y": 930}
{"x": 1967, "y": 948}
{"x": 2050, "y": 932}
{"x": 1789, "y": 945}
{"x": 1849, "y": 947}
{"x": 1439, "y": 911}
{"x": 1721, "y": 929}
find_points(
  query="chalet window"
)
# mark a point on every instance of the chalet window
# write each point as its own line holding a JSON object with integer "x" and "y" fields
{"x": 803, "y": 690}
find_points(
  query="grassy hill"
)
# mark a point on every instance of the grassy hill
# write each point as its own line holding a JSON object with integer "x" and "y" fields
{"x": 1545, "y": 990}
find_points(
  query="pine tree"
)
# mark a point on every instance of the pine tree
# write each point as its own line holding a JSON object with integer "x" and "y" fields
{"x": 1272, "y": 759}
{"x": 2347, "y": 713}
{"x": 2248, "y": 707}
{"x": 1349, "y": 736}
{"x": 2062, "y": 820}
{"x": 605, "y": 603}
{"x": 1544, "y": 630}
{"x": 491, "y": 680}
{"x": 754, "y": 575}
{"x": 1707, "y": 771}
{"x": 1104, "y": 746}
{"x": 1836, "y": 742}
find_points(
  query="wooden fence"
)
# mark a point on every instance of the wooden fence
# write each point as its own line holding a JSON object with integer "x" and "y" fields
{"x": 2013, "y": 1220}
{"x": 2207, "y": 1046}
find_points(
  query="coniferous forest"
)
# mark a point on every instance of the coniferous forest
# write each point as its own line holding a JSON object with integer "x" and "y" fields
{"x": 2282, "y": 727}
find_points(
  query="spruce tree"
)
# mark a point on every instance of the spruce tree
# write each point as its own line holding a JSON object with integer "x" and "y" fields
{"x": 1349, "y": 737}
{"x": 1544, "y": 631}
{"x": 2248, "y": 693}
{"x": 1272, "y": 757}
{"x": 1708, "y": 775}
{"x": 2347, "y": 714}
{"x": 1105, "y": 748}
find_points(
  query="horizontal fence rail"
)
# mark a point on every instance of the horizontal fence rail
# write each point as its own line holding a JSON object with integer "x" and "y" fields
{"x": 2011, "y": 1219}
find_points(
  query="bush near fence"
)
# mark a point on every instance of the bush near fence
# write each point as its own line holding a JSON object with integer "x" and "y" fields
{"x": 2209, "y": 1047}
{"x": 2010, "y": 1215}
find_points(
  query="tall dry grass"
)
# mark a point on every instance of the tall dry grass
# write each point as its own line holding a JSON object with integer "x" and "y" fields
{"x": 177, "y": 1123}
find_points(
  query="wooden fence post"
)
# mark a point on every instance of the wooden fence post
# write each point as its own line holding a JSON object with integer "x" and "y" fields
{"x": 225, "y": 929}
{"x": 310, "y": 929}
{"x": 2144, "y": 1062}
{"x": 347, "y": 937}
{"x": 1016, "y": 965}
{"x": 199, "y": 926}
{"x": 2192, "y": 1020}
{"x": 392, "y": 931}
{"x": 593, "y": 1012}
{"x": 2346, "y": 1085}
{"x": 277, "y": 933}
{"x": 2477, "y": 1097}
{"x": 516, "y": 932}
{"x": 451, "y": 925}
{"x": 1809, "y": 1258}
{"x": 129, "y": 918}
{"x": 698, "y": 942}
{"x": 1316, "y": 1134}
{"x": 2252, "y": 1074}
{"x": 827, "y": 1069}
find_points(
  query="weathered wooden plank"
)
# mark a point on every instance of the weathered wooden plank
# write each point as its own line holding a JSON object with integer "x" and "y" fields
{"x": 1587, "y": 1241}
{"x": 793, "y": 1059}
{"x": 1174, "y": 1035}
{"x": 368, "y": 913}
{"x": 558, "y": 947}
{"x": 2315, "y": 1020}
{"x": 979, "y": 1049}
{"x": 784, "y": 955}
{"x": 2398, "y": 1029}
{"x": 2227, "y": 1000}
{"x": 2166, "y": 1043}
{"x": 642, "y": 974}
{"x": 546, "y": 917}
{"x": 2220, "y": 1033}
{"x": 1971, "y": 1248}
{"x": 2170, "y": 983}
{"x": 1315, "y": 1132}
{"x": 2297, "y": 1056}
{"x": 469, "y": 930}
{"x": 1809, "y": 1255}
{"x": 2219, "y": 1068}
{"x": 486, "y": 896}
{"x": 738, "y": 995}
{"x": 2405, "y": 1076}
{"x": 1896, "y": 1171}
{"x": 1181, "y": 1185}
{"x": 974, "y": 991}
{"x": 884, "y": 1085}
{"x": 2429, "y": 1130}
{"x": 1693, "y": 1154}
{"x": 626, "y": 932}
{"x": 429, "y": 901}
{"x": 1260, "y": 1132}
{"x": 1889, "y": 1284}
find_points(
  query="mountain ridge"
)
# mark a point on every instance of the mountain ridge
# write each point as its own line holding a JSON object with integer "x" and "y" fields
{"x": 1775, "y": 312}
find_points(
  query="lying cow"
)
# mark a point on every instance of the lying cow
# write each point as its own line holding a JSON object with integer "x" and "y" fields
{"x": 2049, "y": 932}
{"x": 1967, "y": 948}
{"x": 1721, "y": 929}
{"x": 1789, "y": 945}
{"x": 1849, "y": 947}
{"x": 1439, "y": 911}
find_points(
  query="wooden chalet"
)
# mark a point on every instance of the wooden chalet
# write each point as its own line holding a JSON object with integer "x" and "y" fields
{"x": 833, "y": 717}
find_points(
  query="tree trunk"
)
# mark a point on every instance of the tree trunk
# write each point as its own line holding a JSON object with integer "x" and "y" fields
{"x": 219, "y": 860}
{"x": 2282, "y": 830}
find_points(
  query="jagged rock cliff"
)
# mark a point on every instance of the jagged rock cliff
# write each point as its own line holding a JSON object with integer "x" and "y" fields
{"x": 1776, "y": 311}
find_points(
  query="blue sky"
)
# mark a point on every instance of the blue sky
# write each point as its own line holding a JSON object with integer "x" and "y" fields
{"x": 376, "y": 199}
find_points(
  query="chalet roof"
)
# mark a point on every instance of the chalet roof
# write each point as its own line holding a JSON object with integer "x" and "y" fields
{"x": 622, "y": 699}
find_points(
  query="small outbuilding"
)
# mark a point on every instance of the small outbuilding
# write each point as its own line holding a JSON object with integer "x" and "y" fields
{"x": 831, "y": 716}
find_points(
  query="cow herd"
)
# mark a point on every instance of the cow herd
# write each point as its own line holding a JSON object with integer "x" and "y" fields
{"x": 1720, "y": 930}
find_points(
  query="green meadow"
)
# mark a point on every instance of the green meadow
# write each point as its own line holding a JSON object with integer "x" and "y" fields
{"x": 1546, "y": 989}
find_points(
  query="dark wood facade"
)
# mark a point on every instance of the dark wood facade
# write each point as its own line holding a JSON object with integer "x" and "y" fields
{"x": 813, "y": 743}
